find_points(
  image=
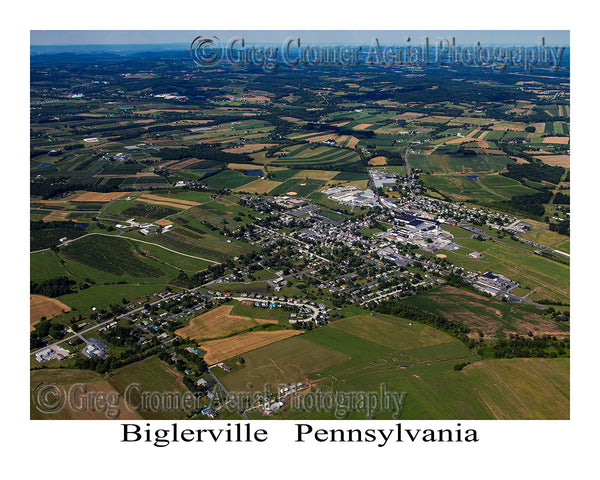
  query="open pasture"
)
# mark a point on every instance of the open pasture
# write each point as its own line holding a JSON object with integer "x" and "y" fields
{"x": 91, "y": 381}
{"x": 522, "y": 388}
{"x": 97, "y": 197}
{"x": 391, "y": 332}
{"x": 300, "y": 186}
{"x": 315, "y": 174}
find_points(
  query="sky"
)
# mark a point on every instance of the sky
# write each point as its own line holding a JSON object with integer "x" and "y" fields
{"x": 121, "y": 37}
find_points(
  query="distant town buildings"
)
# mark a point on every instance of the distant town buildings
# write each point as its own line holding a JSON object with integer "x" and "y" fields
{"x": 494, "y": 284}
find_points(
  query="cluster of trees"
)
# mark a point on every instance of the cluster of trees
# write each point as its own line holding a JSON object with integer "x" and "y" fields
{"x": 532, "y": 204}
{"x": 52, "y": 187}
{"x": 536, "y": 172}
{"x": 561, "y": 316}
{"x": 47, "y": 234}
{"x": 208, "y": 151}
{"x": 562, "y": 199}
{"x": 195, "y": 361}
{"x": 54, "y": 287}
{"x": 564, "y": 227}
{"x": 120, "y": 336}
{"x": 43, "y": 329}
{"x": 531, "y": 346}
{"x": 213, "y": 272}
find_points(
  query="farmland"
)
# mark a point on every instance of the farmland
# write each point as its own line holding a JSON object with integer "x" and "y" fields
{"x": 155, "y": 204}
{"x": 301, "y": 187}
{"x": 494, "y": 319}
{"x": 552, "y": 239}
{"x": 309, "y": 156}
{"x": 484, "y": 188}
{"x": 92, "y": 382}
{"x": 219, "y": 323}
{"x": 259, "y": 186}
{"x": 43, "y": 307}
{"x": 111, "y": 255}
{"x": 152, "y": 375}
{"x": 390, "y": 332}
{"x": 283, "y": 362}
{"x": 219, "y": 350}
{"x": 420, "y": 364}
{"x": 452, "y": 163}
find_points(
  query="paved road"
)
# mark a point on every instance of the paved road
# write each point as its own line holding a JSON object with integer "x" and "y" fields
{"x": 392, "y": 292}
{"x": 166, "y": 298}
{"x": 106, "y": 322}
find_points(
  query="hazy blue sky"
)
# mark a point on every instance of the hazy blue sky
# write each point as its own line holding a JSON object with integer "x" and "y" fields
{"x": 102, "y": 37}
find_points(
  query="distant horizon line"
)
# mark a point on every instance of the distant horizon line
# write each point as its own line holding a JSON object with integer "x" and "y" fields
{"x": 271, "y": 42}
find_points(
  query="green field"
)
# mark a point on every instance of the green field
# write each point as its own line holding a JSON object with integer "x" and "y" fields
{"x": 228, "y": 179}
{"x": 549, "y": 278}
{"x": 391, "y": 332}
{"x": 522, "y": 388}
{"x": 350, "y": 176}
{"x": 250, "y": 311}
{"x": 100, "y": 296}
{"x": 114, "y": 267}
{"x": 455, "y": 163}
{"x": 302, "y": 187}
{"x": 280, "y": 175}
{"x": 551, "y": 239}
{"x": 64, "y": 379}
{"x": 485, "y": 189}
{"x": 413, "y": 359}
{"x": 313, "y": 156}
{"x": 152, "y": 375}
{"x": 336, "y": 217}
{"x": 77, "y": 260}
